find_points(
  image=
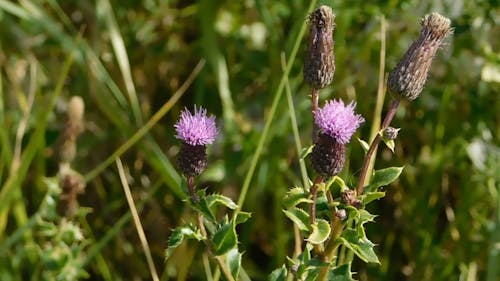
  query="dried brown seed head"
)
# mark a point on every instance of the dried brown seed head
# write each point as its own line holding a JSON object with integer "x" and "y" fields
{"x": 408, "y": 78}
{"x": 319, "y": 65}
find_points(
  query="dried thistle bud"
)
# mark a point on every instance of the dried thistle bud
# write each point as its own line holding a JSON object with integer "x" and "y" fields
{"x": 341, "y": 214}
{"x": 391, "y": 133}
{"x": 319, "y": 65}
{"x": 349, "y": 198}
{"x": 407, "y": 79}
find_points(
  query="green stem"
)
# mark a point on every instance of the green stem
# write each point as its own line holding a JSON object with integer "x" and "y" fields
{"x": 374, "y": 145}
{"x": 218, "y": 259}
{"x": 333, "y": 243}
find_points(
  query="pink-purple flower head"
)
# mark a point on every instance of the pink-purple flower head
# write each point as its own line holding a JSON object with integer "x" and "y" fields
{"x": 196, "y": 129}
{"x": 338, "y": 120}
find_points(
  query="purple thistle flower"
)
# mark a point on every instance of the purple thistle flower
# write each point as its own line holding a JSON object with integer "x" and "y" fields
{"x": 197, "y": 128}
{"x": 337, "y": 120}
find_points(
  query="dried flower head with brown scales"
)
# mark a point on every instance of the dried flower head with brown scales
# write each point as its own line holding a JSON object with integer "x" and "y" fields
{"x": 319, "y": 65}
{"x": 408, "y": 78}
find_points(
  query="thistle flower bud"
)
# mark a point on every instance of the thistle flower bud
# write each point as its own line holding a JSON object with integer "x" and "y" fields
{"x": 319, "y": 65}
{"x": 337, "y": 123}
{"x": 349, "y": 198}
{"x": 391, "y": 133}
{"x": 327, "y": 156}
{"x": 341, "y": 214}
{"x": 407, "y": 79}
{"x": 195, "y": 131}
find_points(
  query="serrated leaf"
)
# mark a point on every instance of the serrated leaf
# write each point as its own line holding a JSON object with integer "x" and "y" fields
{"x": 371, "y": 196}
{"x": 384, "y": 177}
{"x": 365, "y": 216}
{"x": 295, "y": 196}
{"x": 361, "y": 246}
{"x": 336, "y": 185}
{"x": 203, "y": 206}
{"x": 340, "y": 273}
{"x": 320, "y": 232}
{"x": 299, "y": 217}
{"x": 364, "y": 145}
{"x": 305, "y": 151}
{"x": 233, "y": 261}
{"x": 224, "y": 239}
{"x": 178, "y": 236}
{"x": 242, "y": 217}
{"x": 218, "y": 199}
{"x": 278, "y": 274}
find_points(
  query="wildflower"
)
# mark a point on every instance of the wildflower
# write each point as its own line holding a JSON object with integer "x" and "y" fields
{"x": 407, "y": 79}
{"x": 337, "y": 123}
{"x": 319, "y": 65}
{"x": 195, "y": 132}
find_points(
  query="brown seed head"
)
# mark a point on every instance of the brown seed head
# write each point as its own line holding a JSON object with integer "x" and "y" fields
{"x": 408, "y": 78}
{"x": 319, "y": 65}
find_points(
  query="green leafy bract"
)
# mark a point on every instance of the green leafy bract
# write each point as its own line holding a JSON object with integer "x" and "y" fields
{"x": 299, "y": 217}
{"x": 218, "y": 199}
{"x": 178, "y": 236}
{"x": 320, "y": 232}
{"x": 360, "y": 245}
{"x": 233, "y": 261}
{"x": 278, "y": 274}
{"x": 340, "y": 273}
{"x": 384, "y": 177}
{"x": 295, "y": 196}
{"x": 225, "y": 238}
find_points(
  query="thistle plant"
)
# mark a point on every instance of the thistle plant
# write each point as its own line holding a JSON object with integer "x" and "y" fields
{"x": 331, "y": 214}
{"x": 196, "y": 131}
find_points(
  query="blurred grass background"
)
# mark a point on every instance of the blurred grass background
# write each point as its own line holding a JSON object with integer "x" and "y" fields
{"x": 439, "y": 222}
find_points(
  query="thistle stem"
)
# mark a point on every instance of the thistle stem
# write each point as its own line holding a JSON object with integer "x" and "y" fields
{"x": 314, "y": 193}
{"x": 192, "y": 192}
{"x": 337, "y": 227}
{"x": 220, "y": 261}
{"x": 314, "y": 100}
{"x": 374, "y": 145}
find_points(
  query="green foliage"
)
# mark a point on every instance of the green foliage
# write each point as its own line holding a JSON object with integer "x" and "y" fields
{"x": 438, "y": 221}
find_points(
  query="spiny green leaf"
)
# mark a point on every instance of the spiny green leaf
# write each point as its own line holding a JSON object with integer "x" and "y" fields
{"x": 224, "y": 239}
{"x": 361, "y": 246}
{"x": 299, "y": 217}
{"x": 242, "y": 217}
{"x": 218, "y": 199}
{"x": 371, "y": 196}
{"x": 278, "y": 274}
{"x": 336, "y": 185}
{"x": 384, "y": 177}
{"x": 233, "y": 261}
{"x": 178, "y": 236}
{"x": 295, "y": 196}
{"x": 203, "y": 206}
{"x": 320, "y": 232}
{"x": 340, "y": 273}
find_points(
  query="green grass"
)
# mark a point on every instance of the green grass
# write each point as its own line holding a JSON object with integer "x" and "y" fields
{"x": 137, "y": 64}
